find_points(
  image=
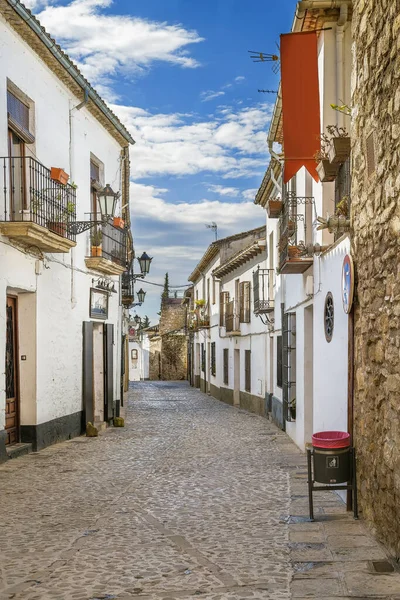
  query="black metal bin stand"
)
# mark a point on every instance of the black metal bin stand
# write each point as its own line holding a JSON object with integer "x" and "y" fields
{"x": 341, "y": 463}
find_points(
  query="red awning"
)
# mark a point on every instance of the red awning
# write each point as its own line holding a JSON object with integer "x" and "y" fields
{"x": 300, "y": 102}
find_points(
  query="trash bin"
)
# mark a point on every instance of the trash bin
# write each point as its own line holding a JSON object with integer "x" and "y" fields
{"x": 332, "y": 457}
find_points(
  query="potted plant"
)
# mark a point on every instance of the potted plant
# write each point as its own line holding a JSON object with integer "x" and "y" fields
{"x": 339, "y": 147}
{"x": 292, "y": 409}
{"x": 96, "y": 238}
{"x": 293, "y": 252}
{"x": 59, "y": 175}
{"x": 118, "y": 222}
{"x": 342, "y": 208}
{"x": 326, "y": 170}
{"x": 59, "y": 224}
{"x": 274, "y": 208}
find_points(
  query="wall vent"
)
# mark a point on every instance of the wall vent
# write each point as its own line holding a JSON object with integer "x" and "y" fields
{"x": 370, "y": 147}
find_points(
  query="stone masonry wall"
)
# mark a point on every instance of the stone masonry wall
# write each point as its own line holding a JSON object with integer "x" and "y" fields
{"x": 376, "y": 245}
{"x": 173, "y": 340}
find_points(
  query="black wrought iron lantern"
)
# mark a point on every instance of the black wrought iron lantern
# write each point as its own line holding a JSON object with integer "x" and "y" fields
{"x": 144, "y": 262}
{"x": 137, "y": 319}
{"x": 107, "y": 202}
{"x": 141, "y": 295}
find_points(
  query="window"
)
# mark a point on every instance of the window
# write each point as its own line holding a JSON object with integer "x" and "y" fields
{"x": 95, "y": 185}
{"x": 329, "y": 317}
{"x": 226, "y": 366}
{"x": 342, "y": 189}
{"x": 223, "y": 301}
{"x": 289, "y": 365}
{"x": 247, "y": 370}
{"x": 203, "y": 358}
{"x": 213, "y": 361}
{"x": 208, "y": 292}
{"x": 19, "y": 116}
{"x": 244, "y": 302}
{"x": 279, "y": 361}
{"x": 213, "y": 290}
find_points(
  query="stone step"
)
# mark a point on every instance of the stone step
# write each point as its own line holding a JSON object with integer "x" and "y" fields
{"x": 17, "y": 450}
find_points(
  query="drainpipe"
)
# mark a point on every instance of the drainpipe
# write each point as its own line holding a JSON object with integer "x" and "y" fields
{"x": 316, "y": 4}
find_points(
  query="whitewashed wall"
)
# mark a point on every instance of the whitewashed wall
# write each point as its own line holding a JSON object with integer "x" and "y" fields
{"x": 62, "y": 287}
{"x": 139, "y": 368}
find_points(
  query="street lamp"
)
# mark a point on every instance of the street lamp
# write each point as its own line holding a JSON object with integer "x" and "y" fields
{"x": 137, "y": 319}
{"x": 144, "y": 263}
{"x": 141, "y": 295}
{"x": 107, "y": 202}
{"x": 107, "y": 199}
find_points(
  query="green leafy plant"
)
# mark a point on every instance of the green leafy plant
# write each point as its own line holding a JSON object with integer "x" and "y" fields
{"x": 200, "y": 302}
{"x": 342, "y": 209}
{"x": 343, "y": 108}
{"x": 96, "y": 237}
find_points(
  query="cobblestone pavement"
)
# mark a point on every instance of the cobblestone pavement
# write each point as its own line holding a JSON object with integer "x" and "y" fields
{"x": 191, "y": 499}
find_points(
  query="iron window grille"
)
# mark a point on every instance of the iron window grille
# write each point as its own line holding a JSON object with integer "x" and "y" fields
{"x": 231, "y": 317}
{"x": 247, "y": 370}
{"x": 213, "y": 360}
{"x": 279, "y": 356}
{"x": 112, "y": 240}
{"x": 263, "y": 290}
{"x": 329, "y": 317}
{"x": 127, "y": 289}
{"x": 226, "y": 366}
{"x": 292, "y": 227}
{"x": 30, "y": 194}
{"x": 244, "y": 302}
{"x": 203, "y": 358}
{"x": 223, "y": 301}
{"x": 288, "y": 363}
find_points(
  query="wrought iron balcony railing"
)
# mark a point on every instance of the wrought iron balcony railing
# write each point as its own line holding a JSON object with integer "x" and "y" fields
{"x": 232, "y": 323}
{"x": 31, "y": 195}
{"x": 109, "y": 242}
{"x": 263, "y": 290}
{"x": 293, "y": 233}
{"x": 127, "y": 289}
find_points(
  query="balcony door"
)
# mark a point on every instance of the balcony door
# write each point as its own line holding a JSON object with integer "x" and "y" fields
{"x": 17, "y": 176}
{"x": 12, "y": 393}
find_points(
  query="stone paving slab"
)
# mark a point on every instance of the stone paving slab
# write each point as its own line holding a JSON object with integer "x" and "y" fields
{"x": 192, "y": 499}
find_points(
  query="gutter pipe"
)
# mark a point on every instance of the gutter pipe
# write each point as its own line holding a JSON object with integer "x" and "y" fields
{"x": 69, "y": 67}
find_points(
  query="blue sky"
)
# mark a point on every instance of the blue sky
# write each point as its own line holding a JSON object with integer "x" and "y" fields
{"x": 178, "y": 74}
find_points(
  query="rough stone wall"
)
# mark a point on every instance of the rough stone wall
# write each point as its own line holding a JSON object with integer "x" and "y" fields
{"x": 155, "y": 358}
{"x": 173, "y": 315}
{"x": 376, "y": 246}
{"x": 174, "y": 357}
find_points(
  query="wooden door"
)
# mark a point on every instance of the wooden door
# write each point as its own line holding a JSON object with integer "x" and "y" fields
{"x": 17, "y": 176}
{"x": 12, "y": 405}
{"x": 108, "y": 371}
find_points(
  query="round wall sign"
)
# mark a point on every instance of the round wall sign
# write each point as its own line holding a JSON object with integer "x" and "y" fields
{"x": 347, "y": 283}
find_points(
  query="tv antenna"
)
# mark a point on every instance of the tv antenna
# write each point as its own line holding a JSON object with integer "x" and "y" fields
{"x": 268, "y": 91}
{"x": 214, "y": 227}
{"x": 264, "y": 57}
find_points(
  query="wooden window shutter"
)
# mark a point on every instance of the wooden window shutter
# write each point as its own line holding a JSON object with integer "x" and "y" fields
{"x": 18, "y": 117}
{"x": 213, "y": 360}
{"x": 226, "y": 366}
{"x": 247, "y": 370}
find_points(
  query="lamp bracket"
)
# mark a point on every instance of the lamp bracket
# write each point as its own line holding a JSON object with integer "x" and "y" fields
{"x": 78, "y": 227}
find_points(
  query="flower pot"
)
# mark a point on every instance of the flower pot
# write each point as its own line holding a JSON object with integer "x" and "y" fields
{"x": 118, "y": 222}
{"x": 293, "y": 252}
{"x": 96, "y": 251}
{"x": 327, "y": 171}
{"x": 339, "y": 151}
{"x": 58, "y": 227}
{"x": 274, "y": 208}
{"x": 59, "y": 175}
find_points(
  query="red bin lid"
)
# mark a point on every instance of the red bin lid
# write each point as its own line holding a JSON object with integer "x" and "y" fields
{"x": 331, "y": 439}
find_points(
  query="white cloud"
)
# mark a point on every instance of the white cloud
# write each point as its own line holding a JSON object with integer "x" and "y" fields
{"x": 233, "y": 143}
{"x": 210, "y": 95}
{"x": 105, "y": 44}
{"x": 240, "y": 79}
{"x": 147, "y": 202}
{"x": 224, "y": 191}
{"x": 249, "y": 194}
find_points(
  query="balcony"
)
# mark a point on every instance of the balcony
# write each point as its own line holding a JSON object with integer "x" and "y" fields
{"x": 108, "y": 249}
{"x": 127, "y": 291}
{"x": 293, "y": 223}
{"x": 35, "y": 210}
{"x": 232, "y": 323}
{"x": 263, "y": 291}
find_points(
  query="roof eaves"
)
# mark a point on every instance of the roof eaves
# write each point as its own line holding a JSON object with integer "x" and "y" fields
{"x": 240, "y": 258}
{"x": 63, "y": 59}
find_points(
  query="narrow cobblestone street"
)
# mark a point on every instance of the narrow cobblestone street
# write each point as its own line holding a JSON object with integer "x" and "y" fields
{"x": 191, "y": 499}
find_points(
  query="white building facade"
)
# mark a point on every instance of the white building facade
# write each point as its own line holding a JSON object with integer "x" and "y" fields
{"x": 307, "y": 357}
{"x": 227, "y": 338}
{"x": 60, "y": 289}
